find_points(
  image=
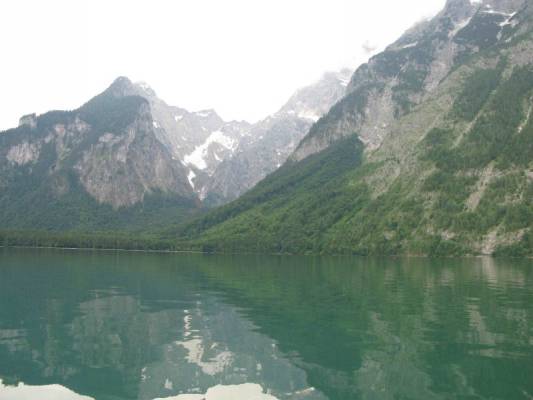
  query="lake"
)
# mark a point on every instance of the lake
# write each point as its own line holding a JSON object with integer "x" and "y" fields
{"x": 126, "y": 325}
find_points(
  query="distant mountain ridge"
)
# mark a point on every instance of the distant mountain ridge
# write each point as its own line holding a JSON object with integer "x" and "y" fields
{"x": 127, "y": 160}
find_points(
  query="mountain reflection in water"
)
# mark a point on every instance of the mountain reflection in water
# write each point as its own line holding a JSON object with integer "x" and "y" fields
{"x": 112, "y": 325}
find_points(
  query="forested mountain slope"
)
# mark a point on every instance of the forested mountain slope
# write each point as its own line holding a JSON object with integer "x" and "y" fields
{"x": 430, "y": 152}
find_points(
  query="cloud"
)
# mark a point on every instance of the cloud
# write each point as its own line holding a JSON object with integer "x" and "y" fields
{"x": 368, "y": 47}
{"x": 242, "y": 58}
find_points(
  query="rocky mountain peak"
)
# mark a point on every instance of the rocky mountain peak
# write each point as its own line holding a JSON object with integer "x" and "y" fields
{"x": 28, "y": 120}
{"x": 268, "y": 143}
{"x": 458, "y": 10}
{"x": 122, "y": 86}
{"x": 398, "y": 79}
{"x": 313, "y": 101}
{"x": 209, "y": 115}
{"x": 455, "y": 7}
{"x": 145, "y": 90}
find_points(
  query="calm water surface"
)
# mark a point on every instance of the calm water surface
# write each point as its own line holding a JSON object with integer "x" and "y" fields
{"x": 112, "y": 325}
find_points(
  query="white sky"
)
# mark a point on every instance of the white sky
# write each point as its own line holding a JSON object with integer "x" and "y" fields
{"x": 243, "y": 58}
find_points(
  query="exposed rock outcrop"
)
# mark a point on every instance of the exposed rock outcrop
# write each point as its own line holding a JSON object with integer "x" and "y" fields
{"x": 395, "y": 81}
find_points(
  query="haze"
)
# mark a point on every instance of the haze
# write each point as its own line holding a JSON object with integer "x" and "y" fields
{"x": 243, "y": 58}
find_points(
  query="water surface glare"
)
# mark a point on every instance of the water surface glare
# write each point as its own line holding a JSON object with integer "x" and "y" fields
{"x": 119, "y": 325}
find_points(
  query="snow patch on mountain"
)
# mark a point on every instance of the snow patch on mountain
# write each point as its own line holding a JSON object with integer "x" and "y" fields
{"x": 459, "y": 26}
{"x": 490, "y": 10}
{"x": 190, "y": 177}
{"x": 508, "y": 20}
{"x": 344, "y": 81}
{"x": 309, "y": 114}
{"x": 204, "y": 113}
{"x": 408, "y": 46}
{"x": 197, "y": 157}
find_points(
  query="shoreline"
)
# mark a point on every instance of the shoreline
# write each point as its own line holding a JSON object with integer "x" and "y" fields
{"x": 103, "y": 249}
{"x": 402, "y": 256}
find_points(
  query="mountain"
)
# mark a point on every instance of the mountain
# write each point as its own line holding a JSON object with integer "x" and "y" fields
{"x": 270, "y": 142}
{"x": 98, "y": 167}
{"x": 224, "y": 159}
{"x": 128, "y": 160}
{"x": 395, "y": 81}
{"x": 429, "y": 152}
{"x": 199, "y": 141}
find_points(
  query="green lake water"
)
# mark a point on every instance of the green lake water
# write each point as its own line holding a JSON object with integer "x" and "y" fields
{"x": 119, "y": 325}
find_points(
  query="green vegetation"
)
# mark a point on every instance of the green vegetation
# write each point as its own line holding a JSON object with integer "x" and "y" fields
{"x": 290, "y": 210}
{"x": 319, "y": 205}
{"x": 496, "y": 135}
{"x": 353, "y": 104}
{"x": 83, "y": 240}
{"x": 42, "y": 209}
{"x": 462, "y": 187}
{"x": 503, "y": 136}
{"x": 476, "y": 92}
{"x": 520, "y": 249}
{"x": 324, "y": 204}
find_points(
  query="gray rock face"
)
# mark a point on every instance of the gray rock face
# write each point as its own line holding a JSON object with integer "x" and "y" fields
{"x": 120, "y": 169}
{"x": 183, "y": 131}
{"x": 23, "y": 153}
{"x": 29, "y": 120}
{"x": 395, "y": 81}
{"x": 198, "y": 141}
{"x": 224, "y": 159}
{"x": 270, "y": 142}
{"x": 265, "y": 150}
{"x": 110, "y": 145}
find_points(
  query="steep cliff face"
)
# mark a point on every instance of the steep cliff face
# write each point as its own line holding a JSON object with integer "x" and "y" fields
{"x": 198, "y": 140}
{"x": 269, "y": 143}
{"x": 395, "y": 81}
{"x": 224, "y": 159}
{"x": 441, "y": 164}
{"x": 70, "y": 169}
{"x": 124, "y": 165}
